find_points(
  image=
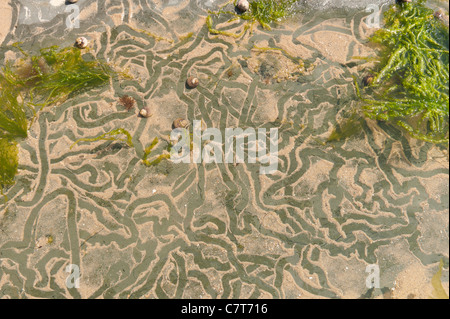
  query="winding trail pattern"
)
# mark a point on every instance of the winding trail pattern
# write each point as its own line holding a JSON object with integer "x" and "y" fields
{"x": 214, "y": 230}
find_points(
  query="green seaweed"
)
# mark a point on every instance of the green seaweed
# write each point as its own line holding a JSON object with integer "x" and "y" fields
{"x": 264, "y": 12}
{"x": 346, "y": 128}
{"x": 50, "y": 239}
{"x": 53, "y": 75}
{"x": 9, "y": 162}
{"x": 113, "y": 136}
{"x": 269, "y": 11}
{"x": 108, "y": 136}
{"x": 225, "y": 33}
{"x": 36, "y": 81}
{"x": 69, "y": 73}
{"x": 46, "y": 78}
{"x": 13, "y": 119}
{"x": 156, "y": 37}
{"x": 186, "y": 36}
{"x": 410, "y": 87}
{"x": 13, "y": 126}
{"x": 438, "y": 289}
{"x": 147, "y": 152}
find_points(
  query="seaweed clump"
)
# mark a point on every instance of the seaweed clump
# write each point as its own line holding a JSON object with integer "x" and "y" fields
{"x": 269, "y": 11}
{"x": 9, "y": 161}
{"x": 264, "y": 12}
{"x": 410, "y": 87}
{"x": 67, "y": 73}
{"x": 34, "y": 82}
{"x": 127, "y": 102}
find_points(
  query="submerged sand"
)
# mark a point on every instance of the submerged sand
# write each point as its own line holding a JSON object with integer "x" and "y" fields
{"x": 221, "y": 231}
{"x": 5, "y": 19}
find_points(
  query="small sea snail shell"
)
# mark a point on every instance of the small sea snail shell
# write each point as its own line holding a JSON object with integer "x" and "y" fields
{"x": 180, "y": 123}
{"x": 243, "y": 5}
{"x": 438, "y": 14}
{"x": 192, "y": 82}
{"x": 145, "y": 112}
{"x": 368, "y": 79}
{"x": 72, "y": 1}
{"x": 442, "y": 16}
{"x": 81, "y": 42}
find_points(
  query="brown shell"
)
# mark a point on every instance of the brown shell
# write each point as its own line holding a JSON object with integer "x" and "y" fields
{"x": 442, "y": 16}
{"x": 243, "y": 5}
{"x": 145, "y": 112}
{"x": 368, "y": 79}
{"x": 72, "y": 1}
{"x": 81, "y": 42}
{"x": 192, "y": 82}
{"x": 180, "y": 123}
{"x": 438, "y": 14}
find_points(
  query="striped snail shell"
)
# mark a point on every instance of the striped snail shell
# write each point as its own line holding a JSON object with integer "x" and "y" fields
{"x": 180, "y": 123}
{"x": 243, "y": 5}
{"x": 81, "y": 42}
{"x": 192, "y": 82}
{"x": 145, "y": 112}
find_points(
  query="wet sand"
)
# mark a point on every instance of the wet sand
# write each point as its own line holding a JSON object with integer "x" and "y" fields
{"x": 211, "y": 231}
{"x": 5, "y": 19}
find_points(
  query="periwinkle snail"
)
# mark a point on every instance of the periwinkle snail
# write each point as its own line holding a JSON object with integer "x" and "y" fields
{"x": 368, "y": 79}
{"x": 180, "y": 123}
{"x": 81, "y": 42}
{"x": 243, "y": 5}
{"x": 192, "y": 82}
{"x": 145, "y": 112}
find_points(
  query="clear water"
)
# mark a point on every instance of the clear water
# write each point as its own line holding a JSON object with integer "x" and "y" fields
{"x": 218, "y": 230}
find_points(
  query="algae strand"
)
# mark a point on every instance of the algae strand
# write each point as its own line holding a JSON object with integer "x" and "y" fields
{"x": 109, "y": 136}
{"x": 147, "y": 152}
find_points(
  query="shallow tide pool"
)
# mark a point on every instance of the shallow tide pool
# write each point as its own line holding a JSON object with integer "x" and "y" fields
{"x": 331, "y": 214}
